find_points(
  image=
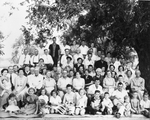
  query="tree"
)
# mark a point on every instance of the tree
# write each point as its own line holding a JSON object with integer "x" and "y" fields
{"x": 117, "y": 23}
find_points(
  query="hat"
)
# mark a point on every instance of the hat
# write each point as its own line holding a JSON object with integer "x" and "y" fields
{"x": 68, "y": 57}
{"x": 30, "y": 89}
{"x": 98, "y": 70}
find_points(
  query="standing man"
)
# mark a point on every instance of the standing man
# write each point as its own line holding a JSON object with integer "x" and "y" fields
{"x": 54, "y": 51}
{"x": 24, "y": 59}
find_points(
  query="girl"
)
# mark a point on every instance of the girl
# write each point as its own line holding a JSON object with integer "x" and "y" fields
{"x": 81, "y": 102}
{"x": 127, "y": 105}
{"x": 49, "y": 83}
{"x": 55, "y": 101}
{"x": 78, "y": 82}
{"x": 135, "y": 103}
{"x": 106, "y": 105}
{"x": 31, "y": 101}
{"x": 43, "y": 98}
{"x": 7, "y": 86}
{"x": 12, "y": 107}
{"x": 145, "y": 105}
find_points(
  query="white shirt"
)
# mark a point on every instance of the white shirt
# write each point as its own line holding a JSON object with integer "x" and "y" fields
{"x": 35, "y": 81}
{"x": 62, "y": 48}
{"x": 44, "y": 97}
{"x": 40, "y": 50}
{"x": 64, "y": 59}
{"x": 56, "y": 100}
{"x": 84, "y": 49}
{"x": 92, "y": 89}
{"x": 78, "y": 83}
{"x": 145, "y": 104}
{"x": 35, "y": 59}
{"x": 76, "y": 56}
{"x": 120, "y": 94}
{"x": 107, "y": 103}
{"x": 63, "y": 82}
{"x": 14, "y": 76}
{"x": 24, "y": 59}
{"x": 47, "y": 59}
{"x": 88, "y": 62}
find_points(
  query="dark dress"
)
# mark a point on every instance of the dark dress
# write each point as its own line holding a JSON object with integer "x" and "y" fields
{"x": 88, "y": 80}
{"x": 100, "y": 64}
{"x": 54, "y": 53}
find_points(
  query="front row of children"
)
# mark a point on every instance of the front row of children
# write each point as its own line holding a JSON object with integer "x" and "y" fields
{"x": 77, "y": 103}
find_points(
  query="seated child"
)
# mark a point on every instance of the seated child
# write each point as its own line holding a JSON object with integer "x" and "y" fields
{"x": 81, "y": 102}
{"x": 55, "y": 101}
{"x": 127, "y": 106}
{"x": 12, "y": 107}
{"x": 32, "y": 103}
{"x": 6, "y": 85}
{"x": 43, "y": 102}
{"x": 69, "y": 100}
{"x": 135, "y": 103}
{"x": 106, "y": 105}
{"x": 145, "y": 105}
{"x": 95, "y": 104}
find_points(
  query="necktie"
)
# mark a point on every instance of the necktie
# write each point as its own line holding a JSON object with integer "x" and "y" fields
{"x": 12, "y": 87}
{"x": 24, "y": 59}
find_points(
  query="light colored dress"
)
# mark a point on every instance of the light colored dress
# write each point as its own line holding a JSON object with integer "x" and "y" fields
{"x": 49, "y": 84}
{"x": 78, "y": 83}
{"x": 12, "y": 107}
{"x": 20, "y": 82}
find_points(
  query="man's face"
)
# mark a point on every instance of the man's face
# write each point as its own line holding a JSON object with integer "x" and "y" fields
{"x": 90, "y": 56}
{"x": 25, "y": 52}
{"x": 137, "y": 73}
{"x": 36, "y": 72}
{"x": 15, "y": 68}
{"x": 46, "y": 52}
{"x": 120, "y": 87}
{"x": 65, "y": 74}
{"x": 10, "y": 69}
{"x": 97, "y": 95}
{"x": 97, "y": 82}
{"x": 54, "y": 40}
{"x": 102, "y": 57}
{"x": 69, "y": 89}
{"x": 27, "y": 68}
{"x": 36, "y": 52}
{"x": 67, "y": 52}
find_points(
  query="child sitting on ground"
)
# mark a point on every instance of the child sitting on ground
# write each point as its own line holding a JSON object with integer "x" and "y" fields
{"x": 12, "y": 107}
{"x": 69, "y": 100}
{"x": 145, "y": 105}
{"x": 95, "y": 104}
{"x": 135, "y": 103}
{"x": 55, "y": 101}
{"x": 43, "y": 102}
{"x": 81, "y": 102}
{"x": 127, "y": 105}
{"x": 106, "y": 105}
{"x": 6, "y": 85}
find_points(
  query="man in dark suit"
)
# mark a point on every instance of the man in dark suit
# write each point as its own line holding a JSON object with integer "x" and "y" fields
{"x": 54, "y": 51}
{"x": 101, "y": 63}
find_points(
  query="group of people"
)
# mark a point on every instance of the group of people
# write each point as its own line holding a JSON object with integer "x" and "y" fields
{"x": 73, "y": 80}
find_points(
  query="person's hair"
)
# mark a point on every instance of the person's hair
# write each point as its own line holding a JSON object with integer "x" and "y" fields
{"x": 120, "y": 76}
{"x": 44, "y": 90}
{"x": 22, "y": 70}
{"x": 145, "y": 94}
{"x": 89, "y": 53}
{"x": 129, "y": 71}
{"x": 10, "y": 66}
{"x": 90, "y": 66}
{"x": 69, "y": 86}
{"x": 11, "y": 95}
{"x": 45, "y": 50}
{"x": 120, "y": 83}
{"x": 31, "y": 88}
{"x": 106, "y": 93}
{"x": 120, "y": 67}
{"x": 81, "y": 89}
{"x": 4, "y": 70}
{"x": 53, "y": 91}
{"x": 16, "y": 66}
{"x": 79, "y": 59}
{"x": 112, "y": 65}
{"x": 41, "y": 59}
{"x": 76, "y": 73}
{"x": 97, "y": 91}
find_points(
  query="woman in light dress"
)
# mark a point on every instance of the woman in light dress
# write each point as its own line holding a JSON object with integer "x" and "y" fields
{"x": 20, "y": 85}
{"x": 109, "y": 83}
{"x": 49, "y": 83}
